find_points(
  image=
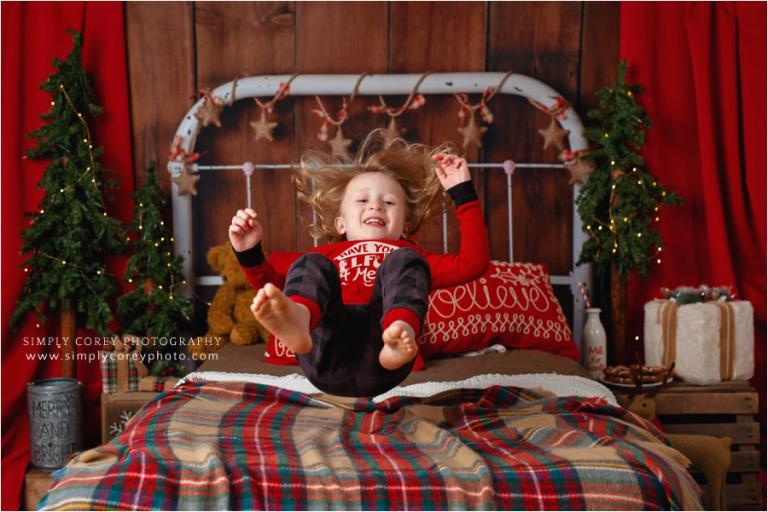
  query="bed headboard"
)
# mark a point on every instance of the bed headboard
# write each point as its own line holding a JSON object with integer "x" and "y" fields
{"x": 538, "y": 93}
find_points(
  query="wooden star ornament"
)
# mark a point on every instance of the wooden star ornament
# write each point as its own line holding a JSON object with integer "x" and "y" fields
{"x": 263, "y": 127}
{"x": 187, "y": 182}
{"x": 392, "y": 132}
{"x": 554, "y": 135}
{"x": 579, "y": 170}
{"x": 210, "y": 110}
{"x": 340, "y": 145}
{"x": 472, "y": 133}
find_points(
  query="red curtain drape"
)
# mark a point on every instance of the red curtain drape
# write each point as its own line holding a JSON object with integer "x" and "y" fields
{"x": 704, "y": 69}
{"x": 32, "y": 34}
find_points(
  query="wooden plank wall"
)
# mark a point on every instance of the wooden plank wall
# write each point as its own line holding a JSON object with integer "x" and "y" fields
{"x": 177, "y": 48}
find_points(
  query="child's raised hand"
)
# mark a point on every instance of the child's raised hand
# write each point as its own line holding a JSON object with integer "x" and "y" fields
{"x": 245, "y": 231}
{"x": 451, "y": 169}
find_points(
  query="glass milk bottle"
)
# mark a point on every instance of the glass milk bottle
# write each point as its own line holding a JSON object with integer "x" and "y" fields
{"x": 594, "y": 346}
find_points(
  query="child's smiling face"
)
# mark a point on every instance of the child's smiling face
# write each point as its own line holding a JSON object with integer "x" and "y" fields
{"x": 374, "y": 206}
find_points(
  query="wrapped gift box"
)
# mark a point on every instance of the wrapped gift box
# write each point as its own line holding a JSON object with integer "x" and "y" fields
{"x": 122, "y": 367}
{"x": 157, "y": 384}
{"x": 118, "y": 373}
{"x": 709, "y": 342}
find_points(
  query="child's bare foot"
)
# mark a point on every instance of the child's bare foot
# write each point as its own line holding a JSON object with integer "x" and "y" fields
{"x": 284, "y": 318}
{"x": 399, "y": 345}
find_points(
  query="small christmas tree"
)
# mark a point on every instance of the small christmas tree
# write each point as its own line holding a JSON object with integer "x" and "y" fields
{"x": 153, "y": 310}
{"x": 71, "y": 231}
{"x": 620, "y": 201}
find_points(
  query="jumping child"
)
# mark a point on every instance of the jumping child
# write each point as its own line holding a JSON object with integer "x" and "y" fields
{"x": 353, "y": 309}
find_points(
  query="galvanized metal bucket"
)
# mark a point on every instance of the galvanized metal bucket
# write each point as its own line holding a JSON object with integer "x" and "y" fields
{"x": 55, "y": 421}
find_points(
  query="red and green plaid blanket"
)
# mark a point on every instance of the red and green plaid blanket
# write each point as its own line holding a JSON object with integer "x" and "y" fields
{"x": 248, "y": 446}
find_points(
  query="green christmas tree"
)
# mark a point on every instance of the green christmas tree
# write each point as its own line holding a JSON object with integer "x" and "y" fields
{"x": 620, "y": 201}
{"x": 71, "y": 232}
{"x": 153, "y": 309}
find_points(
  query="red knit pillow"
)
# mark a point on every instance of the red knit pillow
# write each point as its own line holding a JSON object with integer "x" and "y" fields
{"x": 512, "y": 304}
{"x": 277, "y": 353}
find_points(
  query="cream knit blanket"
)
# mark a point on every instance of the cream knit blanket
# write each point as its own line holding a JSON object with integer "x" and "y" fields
{"x": 560, "y": 385}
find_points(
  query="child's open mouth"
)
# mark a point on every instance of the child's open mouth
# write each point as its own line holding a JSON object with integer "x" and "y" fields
{"x": 373, "y": 221}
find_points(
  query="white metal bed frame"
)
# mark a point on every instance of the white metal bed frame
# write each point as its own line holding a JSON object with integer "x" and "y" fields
{"x": 383, "y": 84}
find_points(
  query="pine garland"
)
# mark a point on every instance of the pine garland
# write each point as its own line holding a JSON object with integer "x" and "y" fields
{"x": 621, "y": 200}
{"x": 687, "y": 295}
{"x": 71, "y": 231}
{"x": 168, "y": 369}
{"x": 153, "y": 309}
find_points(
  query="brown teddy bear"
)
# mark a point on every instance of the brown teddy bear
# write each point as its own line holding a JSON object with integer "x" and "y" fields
{"x": 229, "y": 316}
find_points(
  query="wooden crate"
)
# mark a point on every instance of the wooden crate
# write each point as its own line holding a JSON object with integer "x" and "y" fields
{"x": 726, "y": 409}
{"x": 36, "y": 484}
{"x": 118, "y": 408}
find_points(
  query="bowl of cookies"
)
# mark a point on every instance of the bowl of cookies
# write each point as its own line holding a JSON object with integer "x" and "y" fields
{"x": 637, "y": 376}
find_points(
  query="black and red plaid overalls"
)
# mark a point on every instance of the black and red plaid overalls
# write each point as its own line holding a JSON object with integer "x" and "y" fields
{"x": 344, "y": 359}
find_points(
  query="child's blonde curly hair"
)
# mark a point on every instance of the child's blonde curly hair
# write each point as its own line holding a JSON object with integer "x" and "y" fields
{"x": 321, "y": 180}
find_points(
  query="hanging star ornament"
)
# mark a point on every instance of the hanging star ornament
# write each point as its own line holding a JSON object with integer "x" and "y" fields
{"x": 339, "y": 144}
{"x": 186, "y": 181}
{"x": 392, "y": 132}
{"x": 472, "y": 133}
{"x": 210, "y": 110}
{"x": 579, "y": 170}
{"x": 263, "y": 128}
{"x": 554, "y": 135}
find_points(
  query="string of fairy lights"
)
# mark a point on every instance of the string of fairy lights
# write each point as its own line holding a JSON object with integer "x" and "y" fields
{"x": 612, "y": 225}
{"x": 87, "y": 140}
{"x": 169, "y": 264}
